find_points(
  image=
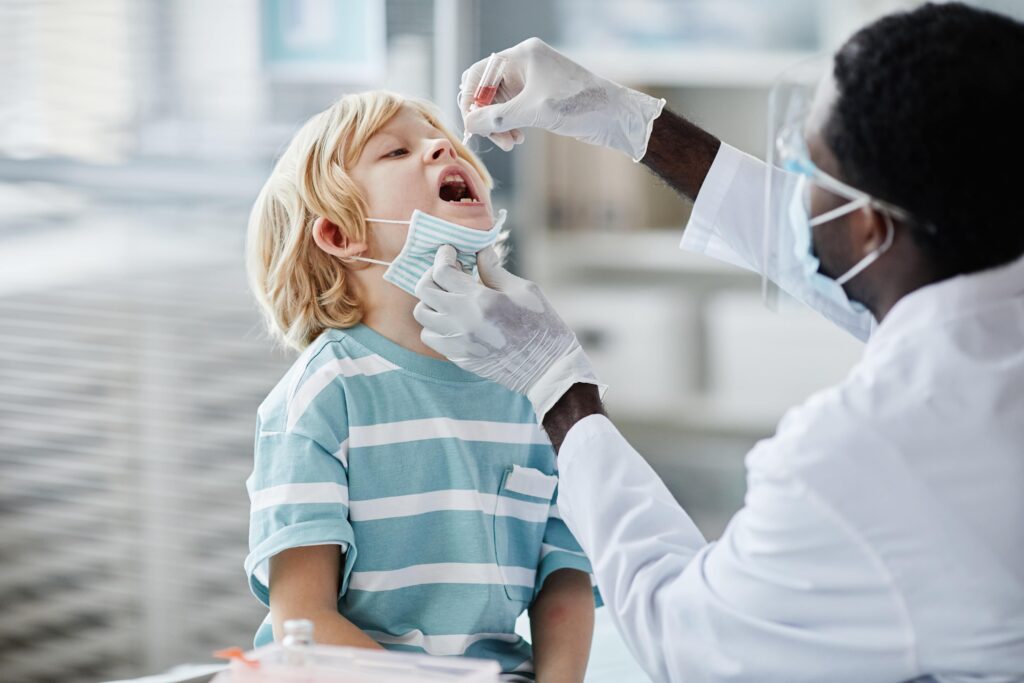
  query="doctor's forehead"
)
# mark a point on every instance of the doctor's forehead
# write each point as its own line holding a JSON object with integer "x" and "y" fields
{"x": 818, "y": 116}
{"x": 825, "y": 95}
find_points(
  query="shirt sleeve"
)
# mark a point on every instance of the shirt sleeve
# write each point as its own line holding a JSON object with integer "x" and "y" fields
{"x": 299, "y": 497}
{"x": 728, "y": 224}
{"x": 790, "y": 592}
{"x": 560, "y": 550}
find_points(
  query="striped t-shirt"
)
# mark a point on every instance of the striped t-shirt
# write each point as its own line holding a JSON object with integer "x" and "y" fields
{"x": 438, "y": 485}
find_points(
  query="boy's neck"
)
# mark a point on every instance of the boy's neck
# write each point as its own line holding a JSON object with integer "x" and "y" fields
{"x": 387, "y": 310}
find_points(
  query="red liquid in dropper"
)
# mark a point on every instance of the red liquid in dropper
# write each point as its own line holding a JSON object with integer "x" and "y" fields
{"x": 484, "y": 95}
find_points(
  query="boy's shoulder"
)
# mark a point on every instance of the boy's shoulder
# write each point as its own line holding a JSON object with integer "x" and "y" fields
{"x": 313, "y": 371}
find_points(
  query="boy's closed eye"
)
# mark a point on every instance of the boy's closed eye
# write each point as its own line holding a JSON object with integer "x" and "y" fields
{"x": 400, "y": 151}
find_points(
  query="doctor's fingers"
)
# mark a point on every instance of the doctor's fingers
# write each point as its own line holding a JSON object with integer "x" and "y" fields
{"x": 446, "y": 259}
{"x": 445, "y": 303}
{"x": 492, "y": 272}
{"x": 430, "y": 294}
{"x": 501, "y": 117}
{"x": 447, "y": 273}
{"x": 455, "y": 347}
{"x": 434, "y": 321}
{"x": 506, "y": 140}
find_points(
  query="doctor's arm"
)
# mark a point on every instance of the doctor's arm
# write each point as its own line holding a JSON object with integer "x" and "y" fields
{"x": 727, "y": 187}
{"x": 789, "y": 593}
{"x": 681, "y": 153}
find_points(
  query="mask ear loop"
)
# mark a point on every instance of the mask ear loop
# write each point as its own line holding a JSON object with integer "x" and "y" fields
{"x": 364, "y": 259}
{"x": 849, "y": 207}
{"x": 873, "y": 256}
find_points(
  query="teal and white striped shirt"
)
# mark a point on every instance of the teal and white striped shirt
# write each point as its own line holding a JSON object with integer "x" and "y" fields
{"x": 438, "y": 485}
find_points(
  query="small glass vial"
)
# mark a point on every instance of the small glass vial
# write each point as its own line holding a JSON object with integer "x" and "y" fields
{"x": 298, "y": 639}
{"x": 494, "y": 71}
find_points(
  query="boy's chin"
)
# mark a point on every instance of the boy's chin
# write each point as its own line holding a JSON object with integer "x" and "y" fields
{"x": 476, "y": 216}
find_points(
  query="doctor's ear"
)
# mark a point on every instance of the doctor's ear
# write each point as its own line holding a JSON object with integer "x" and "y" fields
{"x": 869, "y": 228}
{"x": 330, "y": 238}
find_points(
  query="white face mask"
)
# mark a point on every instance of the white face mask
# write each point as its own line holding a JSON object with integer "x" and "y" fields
{"x": 426, "y": 235}
{"x": 803, "y": 246}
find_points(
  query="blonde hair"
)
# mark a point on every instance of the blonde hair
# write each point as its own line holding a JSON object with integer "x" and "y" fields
{"x": 302, "y": 290}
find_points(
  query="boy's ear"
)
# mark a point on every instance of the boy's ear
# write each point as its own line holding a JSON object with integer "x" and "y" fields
{"x": 332, "y": 240}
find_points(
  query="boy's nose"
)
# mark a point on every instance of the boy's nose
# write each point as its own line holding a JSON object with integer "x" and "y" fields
{"x": 441, "y": 149}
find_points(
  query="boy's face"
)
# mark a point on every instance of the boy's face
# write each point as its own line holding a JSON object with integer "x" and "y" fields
{"x": 409, "y": 164}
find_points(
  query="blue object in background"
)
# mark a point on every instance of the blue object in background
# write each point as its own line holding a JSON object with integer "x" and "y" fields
{"x": 324, "y": 40}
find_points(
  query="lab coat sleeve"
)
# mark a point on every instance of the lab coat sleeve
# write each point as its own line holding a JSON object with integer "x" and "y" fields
{"x": 788, "y": 594}
{"x": 728, "y": 223}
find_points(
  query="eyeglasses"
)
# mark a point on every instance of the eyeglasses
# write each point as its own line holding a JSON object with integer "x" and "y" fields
{"x": 794, "y": 157}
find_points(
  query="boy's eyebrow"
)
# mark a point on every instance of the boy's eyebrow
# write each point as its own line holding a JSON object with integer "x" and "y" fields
{"x": 380, "y": 139}
{"x": 377, "y": 140}
{"x": 380, "y": 134}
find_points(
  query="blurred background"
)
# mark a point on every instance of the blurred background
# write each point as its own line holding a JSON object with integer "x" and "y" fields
{"x": 134, "y": 135}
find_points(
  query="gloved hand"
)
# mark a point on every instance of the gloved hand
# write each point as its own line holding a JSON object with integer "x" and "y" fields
{"x": 500, "y": 327}
{"x": 543, "y": 88}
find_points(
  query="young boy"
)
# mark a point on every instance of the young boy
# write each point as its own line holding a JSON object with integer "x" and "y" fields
{"x": 397, "y": 500}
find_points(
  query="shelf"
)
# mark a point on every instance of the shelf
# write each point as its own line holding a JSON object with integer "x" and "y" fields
{"x": 651, "y": 250}
{"x": 695, "y": 67}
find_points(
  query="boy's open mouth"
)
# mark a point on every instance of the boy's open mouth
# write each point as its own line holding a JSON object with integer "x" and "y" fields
{"x": 456, "y": 188}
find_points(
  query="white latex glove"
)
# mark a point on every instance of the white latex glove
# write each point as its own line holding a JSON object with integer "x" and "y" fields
{"x": 542, "y": 88}
{"x": 500, "y": 327}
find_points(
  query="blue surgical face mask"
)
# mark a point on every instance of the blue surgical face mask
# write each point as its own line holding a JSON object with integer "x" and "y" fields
{"x": 803, "y": 246}
{"x": 426, "y": 235}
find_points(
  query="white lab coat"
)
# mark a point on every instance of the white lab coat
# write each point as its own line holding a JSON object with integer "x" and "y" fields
{"x": 882, "y": 535}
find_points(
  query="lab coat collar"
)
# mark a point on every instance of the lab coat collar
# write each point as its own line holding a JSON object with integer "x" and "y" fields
{"x": 948, "y": 299}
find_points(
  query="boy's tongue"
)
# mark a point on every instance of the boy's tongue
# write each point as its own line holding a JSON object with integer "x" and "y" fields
{"x": 455, "y": 190}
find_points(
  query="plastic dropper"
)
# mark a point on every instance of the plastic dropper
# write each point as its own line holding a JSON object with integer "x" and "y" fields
{"x": 494, "y": 71}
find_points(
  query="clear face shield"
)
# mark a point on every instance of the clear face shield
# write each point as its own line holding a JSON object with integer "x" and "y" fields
{"x": 802, "y": 95}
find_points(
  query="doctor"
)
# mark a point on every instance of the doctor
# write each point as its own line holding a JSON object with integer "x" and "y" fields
{"x": 882, "y": 536}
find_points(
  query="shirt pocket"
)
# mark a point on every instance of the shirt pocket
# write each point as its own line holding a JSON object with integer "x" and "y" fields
{"x": 520, "y": 518}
